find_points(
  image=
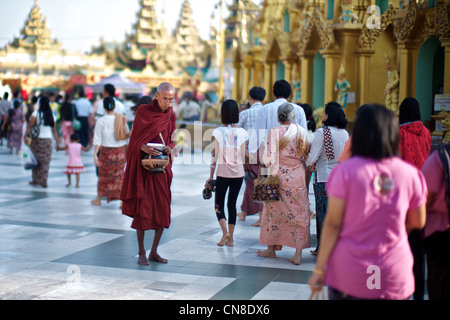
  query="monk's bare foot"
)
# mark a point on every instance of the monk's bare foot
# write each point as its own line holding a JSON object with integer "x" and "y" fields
{"x": 96, "y": 202}
{"x": 268, "y": 253}
{"x": 242, "y": 215}
{"x": 229, "y": 242}
{"x": 157, "y": 258}
{"x": 224, "y": 239}
{"x": 143, "y": 260}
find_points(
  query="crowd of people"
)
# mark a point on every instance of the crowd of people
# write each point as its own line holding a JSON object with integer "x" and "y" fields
{"x": 380, "y": 194}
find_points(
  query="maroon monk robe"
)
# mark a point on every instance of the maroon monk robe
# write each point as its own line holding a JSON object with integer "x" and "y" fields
{"x": 146, "y": 196}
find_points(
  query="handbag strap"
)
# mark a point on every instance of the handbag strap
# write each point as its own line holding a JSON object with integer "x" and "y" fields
{"x": 328, "y": 143}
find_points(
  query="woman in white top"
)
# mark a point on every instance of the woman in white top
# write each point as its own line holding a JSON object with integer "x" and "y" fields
{"x": 109, "y": 155}
{"x": 41, "y": 146}
{"x": 326, "y": 147}
{"x": 230, "y": 147}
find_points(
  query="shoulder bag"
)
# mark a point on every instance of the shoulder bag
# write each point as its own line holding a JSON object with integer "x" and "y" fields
{"x": 267, "y": 188}
{"x": 36, "y": 129}
{"x": 76, "y": 124}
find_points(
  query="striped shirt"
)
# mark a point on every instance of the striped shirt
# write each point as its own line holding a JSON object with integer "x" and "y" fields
{"x": 247, "y": 117}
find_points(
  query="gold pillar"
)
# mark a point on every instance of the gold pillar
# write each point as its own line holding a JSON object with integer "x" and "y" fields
{"x": 307, "y": 61}
{"x": 445, "y": 42}
{"x": 288, "y": 63}
{"x": 248, "y": 63}
{"x": 332, "y": 64}
{"x": 257, "y": 72}
{"x": 362, "y": 96}
{"x": 406, "y": 67}
{"x": 268, "y": 84}
{"x": 237, "y": 82}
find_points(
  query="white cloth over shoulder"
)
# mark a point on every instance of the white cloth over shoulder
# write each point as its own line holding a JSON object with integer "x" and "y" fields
{"x": 267, "y": 118}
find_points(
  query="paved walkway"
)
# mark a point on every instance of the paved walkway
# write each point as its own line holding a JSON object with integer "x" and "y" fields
{"x": 55, "y": 245}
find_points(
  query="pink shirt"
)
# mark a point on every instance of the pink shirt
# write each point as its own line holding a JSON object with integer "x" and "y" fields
{"x": 372, "y": 258}
{"x": 230, "y": 156}
{"x": 74, "y": 151}
{"x": 437, "y": 213}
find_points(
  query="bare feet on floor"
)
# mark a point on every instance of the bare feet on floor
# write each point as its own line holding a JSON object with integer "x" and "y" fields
{"x": 268, "y": 253}
{"x": 156, "y": 257}
{"x": 143, "y": 259}
{"x": 296, "y": 259}
{"x": 96, "y": 202}
{"x": 224, "y": 239}
{"x": 257, "y": 223}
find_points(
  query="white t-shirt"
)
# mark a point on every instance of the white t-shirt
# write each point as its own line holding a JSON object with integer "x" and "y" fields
{"x": 104, "y": 133}
{"x": 230, "y": 156}
{"x": 46, "y": 131}
{"x": 317, "y": 153}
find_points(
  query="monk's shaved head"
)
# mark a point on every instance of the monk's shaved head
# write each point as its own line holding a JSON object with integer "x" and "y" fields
{"x": 165, "y": 86}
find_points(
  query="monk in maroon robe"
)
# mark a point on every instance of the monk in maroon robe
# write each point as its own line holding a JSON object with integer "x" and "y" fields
{"x": 146, "y": 196}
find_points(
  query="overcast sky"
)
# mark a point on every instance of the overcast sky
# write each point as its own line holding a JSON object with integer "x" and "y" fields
{"x": 79, "y": 24}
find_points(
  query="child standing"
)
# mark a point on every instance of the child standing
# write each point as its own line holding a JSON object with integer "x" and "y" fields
{"x": 74, "y": 164}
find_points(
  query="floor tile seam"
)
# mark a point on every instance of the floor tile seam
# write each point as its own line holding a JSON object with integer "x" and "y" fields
{"x": 45, "y": 193}
{"x": 182, "y": 267}
{"x": 64, "y": 226}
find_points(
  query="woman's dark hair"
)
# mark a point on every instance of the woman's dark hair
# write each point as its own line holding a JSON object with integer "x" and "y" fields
{"x": 375, "y": 134}
{"x": 336, "y": 115}
{"x": 109, "y": 103}
{"x": 409, "y": 110}
{"x": 229, "y": 112}
{"x": 142, "y": 100}
{"x": 46, "y": 112}
{"x": 311, "y": 122}
{"x": 110, "y": 89}
{"x": 282, "y": 89}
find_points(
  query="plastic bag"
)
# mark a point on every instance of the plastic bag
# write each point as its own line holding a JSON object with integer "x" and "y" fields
{"x": 29, "y": 159}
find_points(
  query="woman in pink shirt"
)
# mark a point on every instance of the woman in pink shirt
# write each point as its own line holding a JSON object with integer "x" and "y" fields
{"x": 375, "y": 199}
{"x": 437, "y": 226}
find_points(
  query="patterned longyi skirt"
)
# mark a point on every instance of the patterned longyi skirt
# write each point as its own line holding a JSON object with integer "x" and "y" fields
{"x": 110, "y": 172}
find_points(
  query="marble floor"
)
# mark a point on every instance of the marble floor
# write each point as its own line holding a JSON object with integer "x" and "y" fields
{"x": 55, "y": 245}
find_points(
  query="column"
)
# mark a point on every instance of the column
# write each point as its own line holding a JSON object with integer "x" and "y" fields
{"x": 363, "y": 76}
{"x": 307, "y": 61}
{"x": 332, "y": 64}
{"x": 248, "y": 63}
{"x": 406, "y": 68}
{"x": 268, "y": 83}
{"x": 237, "y": 82}
{"x": 288, "y": 70}
{"x": 445, "y": 42}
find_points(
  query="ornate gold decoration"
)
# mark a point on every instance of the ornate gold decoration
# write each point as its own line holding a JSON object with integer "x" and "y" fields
{"x": 404, "y": 21}
{"x": 324, "y": 29}
{"x": 369, "y": 36}
{"x": 442, "y": 18}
